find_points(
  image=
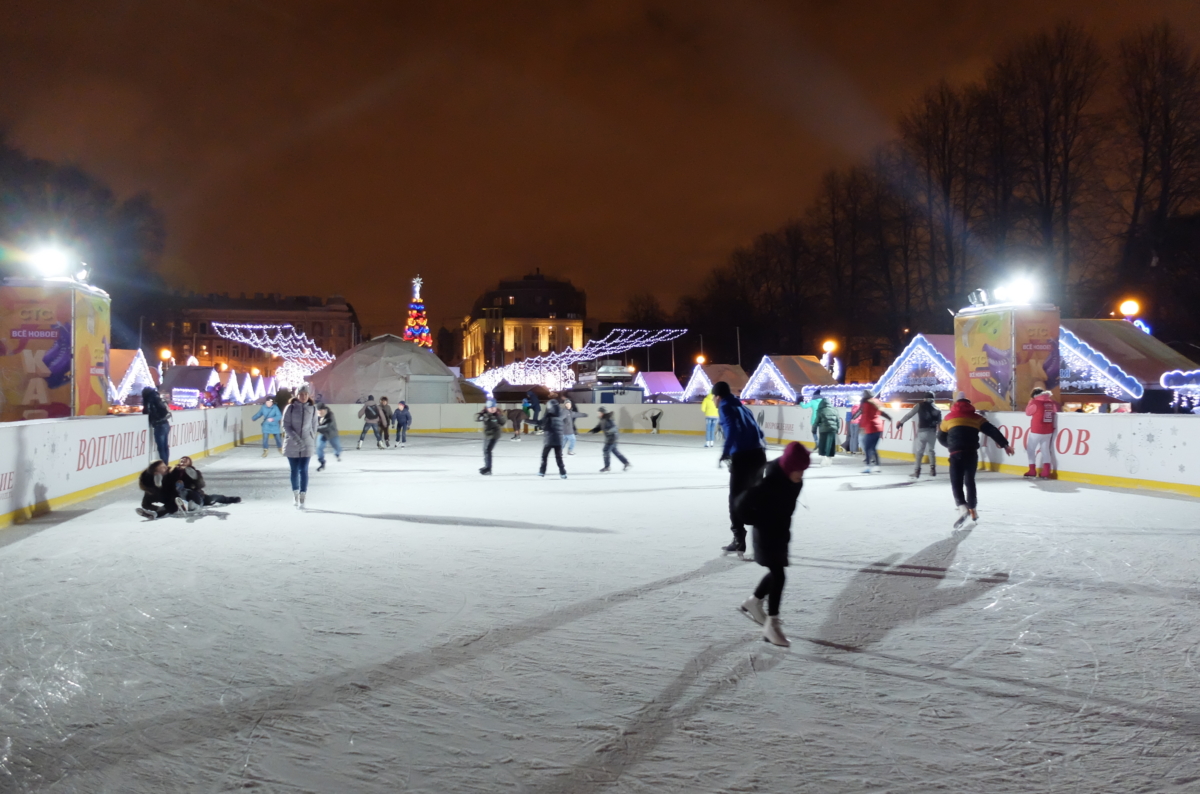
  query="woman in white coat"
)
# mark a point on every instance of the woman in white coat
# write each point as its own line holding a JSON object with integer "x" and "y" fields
{"x": 300, "y": 440}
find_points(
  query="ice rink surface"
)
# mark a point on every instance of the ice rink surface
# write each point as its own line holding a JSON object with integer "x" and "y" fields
{"x": 423, "y": 628}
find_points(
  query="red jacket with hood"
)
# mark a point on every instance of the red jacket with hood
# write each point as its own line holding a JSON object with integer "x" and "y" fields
{"x": 1042, "y": 408}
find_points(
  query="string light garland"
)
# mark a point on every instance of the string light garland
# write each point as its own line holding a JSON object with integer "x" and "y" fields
{"x": 554, "y": 370}
{"x": 416, "y": 330}
{"x": 137, "y": 377}
{"x": 1080, "y": 357}
{"x": 698, "y": 385}
{"x": 845, "y": 395}
{"x": 1185, "y": 385}
{"x": 919, "y": 356}
{"x": 766, "y": 382}
{"x": 302, "y": 356}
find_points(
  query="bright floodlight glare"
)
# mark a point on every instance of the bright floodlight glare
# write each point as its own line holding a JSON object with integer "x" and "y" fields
{"x": 829, "y": 346}
{"x": 1130, "y": 308}
{"x": 165, "y": 354}
{"x": 700, "y": 359}
{"x": 50, "y": 261}
{"x": 1019, "y": 291}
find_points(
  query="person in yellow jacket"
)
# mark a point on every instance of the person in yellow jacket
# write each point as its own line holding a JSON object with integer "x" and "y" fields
{"x": 709, "y": 408}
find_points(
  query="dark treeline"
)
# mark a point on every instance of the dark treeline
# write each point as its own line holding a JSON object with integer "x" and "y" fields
{"x": 1076, "y": 167}
{"x": 42, "y": 202}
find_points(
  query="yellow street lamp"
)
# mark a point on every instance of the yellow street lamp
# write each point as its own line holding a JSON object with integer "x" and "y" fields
{"x": 1129, "y": 308}
{"x": 829, "y": 346}
{"x": 165, "y": 354}
{"x": 700, "y": 359}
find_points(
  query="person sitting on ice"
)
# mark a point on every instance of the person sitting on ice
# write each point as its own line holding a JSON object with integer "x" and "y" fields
{"x": 768, "y": 506}
{"x": 1041, "y": 410}
{"x": 189, "y": 484}
{"x": 959, "y": 434}
{"x": 158, "y": 496}
{"x": 608, "y": 426}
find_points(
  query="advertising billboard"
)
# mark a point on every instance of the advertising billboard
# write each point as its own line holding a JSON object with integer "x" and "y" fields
{"x": 92, "y": 327}
{"x": 35, "y": 352}
{"x": 1035, "y": 346}
{"x": 983, "y": 358}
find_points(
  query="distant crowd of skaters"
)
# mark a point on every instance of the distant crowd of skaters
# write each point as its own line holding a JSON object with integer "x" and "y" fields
{"x": 762, "y": 494}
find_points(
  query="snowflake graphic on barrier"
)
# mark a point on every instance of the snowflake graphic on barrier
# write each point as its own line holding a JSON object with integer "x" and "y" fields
{"x": 1113, "y": 449}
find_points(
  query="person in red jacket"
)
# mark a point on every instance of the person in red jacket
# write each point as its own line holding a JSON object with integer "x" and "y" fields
{"x": 1040, "y": 439}
{"x": 869, "y": 416}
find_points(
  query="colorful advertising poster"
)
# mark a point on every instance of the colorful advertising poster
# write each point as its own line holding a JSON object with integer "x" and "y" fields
{"x": 1035, "y": 343}
{"x": 92, "y": 331}
{"x": 35, "y": 352}
{"x": 983, "y": 359}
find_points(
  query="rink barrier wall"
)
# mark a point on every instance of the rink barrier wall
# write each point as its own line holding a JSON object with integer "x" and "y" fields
{"x": 48, "y": 464}
{"x": 1137, "y": 451}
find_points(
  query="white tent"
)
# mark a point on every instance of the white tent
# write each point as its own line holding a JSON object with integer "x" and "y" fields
{"x": 387, "y": 366}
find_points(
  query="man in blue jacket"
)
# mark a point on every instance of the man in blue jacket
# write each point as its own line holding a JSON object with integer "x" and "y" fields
{"x": 745, "y": 449}
{"x": 270, "y": 415}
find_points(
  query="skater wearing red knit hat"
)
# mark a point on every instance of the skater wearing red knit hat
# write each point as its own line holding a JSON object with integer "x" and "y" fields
{"x": 768, "y": 506}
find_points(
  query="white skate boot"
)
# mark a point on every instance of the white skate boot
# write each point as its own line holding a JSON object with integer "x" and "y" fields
{"x": 752, "y": 608}
{"x": 773, "y": 632}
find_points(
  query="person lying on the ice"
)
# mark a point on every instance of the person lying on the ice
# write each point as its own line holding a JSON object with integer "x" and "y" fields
{"x": 158, "y": 495}
{"x": 188, "y": 483}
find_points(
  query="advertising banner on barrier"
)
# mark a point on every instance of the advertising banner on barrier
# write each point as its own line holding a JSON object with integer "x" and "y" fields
{"x": 35, "y": 353}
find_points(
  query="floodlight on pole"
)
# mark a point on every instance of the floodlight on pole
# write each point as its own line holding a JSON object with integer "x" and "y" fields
{"x": 50, "y": 260}
{"x": 700, "y": 359}
{"x": 165, "y": 354}
{"x": 1129, "y": 308}
{"x": 829, "y": 346}
{"x": 1018, "y": 291}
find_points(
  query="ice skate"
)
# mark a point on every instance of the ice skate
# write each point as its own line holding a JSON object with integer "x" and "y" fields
{"x": 932, "y": 472}
{"x": 916, "y": 475}
{"x": 401, "y": 446}
{"x": 300, "y": 499}
{"x": 867, "y": 470}
{"x": 235, "y": 500}
{"x": 606, "y": 468}
{"x": 1032, "y": 471}
{"x": 359, "y": 445}
{"x": 485, "y": 471}
{"x": 195, "y": 506}
{"x": 773, "y": 632}
{"x": 378, "y": 445}
{"x": 752, "y": 608}
{"x": 974, "y": 515}
{"x": 296, "y": 499}
{"x": 339, "y": 458}
{"x": 144, "y": 513}
{"x": 264, "y": 452}
{"x": 963, "y": 514}
{"x": 182, "y": 504}
{"x": 738, "y": 547}
{"x": 877, "y": 470}
{"x": 571, "y": 452}
{"x": 321, "y": 466}
{"x": 541, "y": 474}
{"x": 628, "y": 466}
{"x": 1045, "y": 474}
{"x": 280, "y": 450}
{"x": 563, "y": 475}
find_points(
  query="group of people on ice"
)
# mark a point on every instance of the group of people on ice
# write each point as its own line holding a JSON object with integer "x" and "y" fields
{"x": 557, "y": 428}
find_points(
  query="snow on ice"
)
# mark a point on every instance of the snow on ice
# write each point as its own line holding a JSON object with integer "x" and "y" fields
{"x": 423, "y": 628}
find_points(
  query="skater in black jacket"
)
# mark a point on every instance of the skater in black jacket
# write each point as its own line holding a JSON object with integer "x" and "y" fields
{"x": 158, "y": 495}
{"x": 493, "y": 428}
{"x": 768, "y": 506}
{"x": 959, "y": 433}
{"x": 552, "y": 427}
{"x": 608, "y": 425}
{"x": 189, "y": 483}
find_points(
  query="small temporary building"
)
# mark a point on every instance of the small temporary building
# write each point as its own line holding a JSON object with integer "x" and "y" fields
{"x": 705, "y": 375}
{"x": 784, "y": 378}
{"x": 925, "y": 365}
{"x": 129, "y": 373}
{"x": 387, "y": 366}
{"x": 655, "y": 384}
{"x": 184, "y": 385}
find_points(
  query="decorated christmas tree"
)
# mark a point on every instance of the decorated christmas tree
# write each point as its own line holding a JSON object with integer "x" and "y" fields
{"x": 417, "y": 329}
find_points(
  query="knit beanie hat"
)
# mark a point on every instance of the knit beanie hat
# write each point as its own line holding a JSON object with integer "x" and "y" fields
{"x": 795, "y": 458}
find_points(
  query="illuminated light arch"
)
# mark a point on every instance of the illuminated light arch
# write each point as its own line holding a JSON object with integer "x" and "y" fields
{"x": 844, "y": 395}
{"x": 1185, "y": 385}
{"x": 698, "y": 385}
{"x": 554, "y": 371}
{"x": 301, "y": 355}
{"x": 764, "y": 374}
{"x": 137, "y": 376}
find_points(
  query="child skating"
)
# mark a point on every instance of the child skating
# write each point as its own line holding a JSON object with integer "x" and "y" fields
{"x": 768, "y": 506}
{"x": 608, "y": 426}
{"x": 959, "y": 434}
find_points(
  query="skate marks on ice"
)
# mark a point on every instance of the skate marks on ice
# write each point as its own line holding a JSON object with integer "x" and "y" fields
{"x": 882, "y": 596}
{"x": 656, "y": 720}
{"x": 468, "y": 521}
{"x": 33, "y": 761}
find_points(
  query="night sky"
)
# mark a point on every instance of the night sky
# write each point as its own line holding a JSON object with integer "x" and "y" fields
{"x": 341, "y": 147}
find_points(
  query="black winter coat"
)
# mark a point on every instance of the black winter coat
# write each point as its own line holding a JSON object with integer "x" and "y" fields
{"x": 608, "y": 426}
{"x": 154, "y": 407}
{"x": 327, "y": 425}
{"x": 164, "y": 492}
{"x": 768, "y": 506}
{"x": 493, "y": 423}
{"x": 552, "y": 424}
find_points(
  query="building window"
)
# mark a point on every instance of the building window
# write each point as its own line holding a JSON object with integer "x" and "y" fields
{"x": 512, "y": 300}
{"x": 220, "y": 349}
{"x": 552, "y": 339}
{"x": 552, "y": 301}
{"x": 553, "y": 315}
{"x": 187, "y": 328}
{"x": 235, "y": 351}
{"x": 518, "y": 343}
